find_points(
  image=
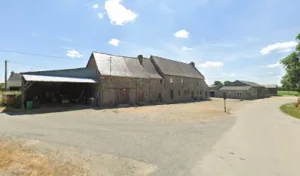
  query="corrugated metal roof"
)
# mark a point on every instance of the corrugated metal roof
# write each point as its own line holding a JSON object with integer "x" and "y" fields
{"x": 149, "y": 67}
{"x": 122, "y": 66}
{"x": 42, "y": 78}
{"x": 170, "y": 67}
{"x": 271, "y": 86}
{"x": 14, "y": 80}
{"x": 235, "y": 88}
{"x": 74, "y": 73}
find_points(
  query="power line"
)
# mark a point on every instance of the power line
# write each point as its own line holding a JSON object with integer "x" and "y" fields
{"x": 34, "y": 54}
{"x": 20, "y": 63}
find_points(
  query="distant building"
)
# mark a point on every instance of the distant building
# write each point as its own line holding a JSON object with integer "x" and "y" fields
{"x": 14, "y": 81}
{"x": 272, "y": 89}
{"x": 243, "y": 90}
{"x": 213, "y": 90}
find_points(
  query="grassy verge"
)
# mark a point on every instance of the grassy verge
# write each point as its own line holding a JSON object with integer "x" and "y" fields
{"x": 291, "y": 109}
{"x": 288, "y": 93}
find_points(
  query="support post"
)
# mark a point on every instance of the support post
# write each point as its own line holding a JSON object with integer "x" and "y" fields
{"x": 23, "y": 93}
{"x": 5, "y": 75}
{"x": 224, "y": 105}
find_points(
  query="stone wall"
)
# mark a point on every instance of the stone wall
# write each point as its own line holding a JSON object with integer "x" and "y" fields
{"x": 184, "y": 89}
{"x": 140, "y": 90}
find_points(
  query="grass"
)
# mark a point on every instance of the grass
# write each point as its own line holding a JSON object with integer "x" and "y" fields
{"x": 17, "y": 158}
{"x": 288, "y": 93}
{"x": 291, "y": 109}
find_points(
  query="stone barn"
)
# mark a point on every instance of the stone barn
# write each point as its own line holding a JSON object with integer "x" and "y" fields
{"x": 126, "y": 80}
{"x": 243, "y": 90}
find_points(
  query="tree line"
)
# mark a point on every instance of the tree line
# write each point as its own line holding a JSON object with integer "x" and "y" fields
{"x": 291, "y": 64}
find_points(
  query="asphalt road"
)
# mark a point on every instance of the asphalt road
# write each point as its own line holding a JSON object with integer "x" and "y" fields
{"x": 256, "y": 140}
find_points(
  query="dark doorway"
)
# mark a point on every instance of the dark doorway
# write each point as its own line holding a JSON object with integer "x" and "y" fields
{"x": 140, "y": 95}
{"x": 212, "y": 94}
{"x": 171, "y": 94}
{"x": 122, "y": 96}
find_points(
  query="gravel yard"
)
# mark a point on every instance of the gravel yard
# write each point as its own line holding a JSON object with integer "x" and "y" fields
{"x": 161, "y": 140}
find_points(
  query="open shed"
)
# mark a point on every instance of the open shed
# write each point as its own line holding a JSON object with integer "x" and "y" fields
{"x": 58, "y": 86}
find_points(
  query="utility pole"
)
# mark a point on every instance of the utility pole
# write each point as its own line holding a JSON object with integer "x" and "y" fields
{"x": 110, "y": 66}
{"x": 5, "y": 75}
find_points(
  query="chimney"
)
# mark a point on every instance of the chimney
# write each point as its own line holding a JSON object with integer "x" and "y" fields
{"x": 141, "y": 59}
{"x": 11, "y": 73}
{"x": 193, "y": 64}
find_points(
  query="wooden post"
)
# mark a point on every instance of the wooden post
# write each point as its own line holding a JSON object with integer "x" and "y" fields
{"x": 5, "y": 76}
{"x": 23, "y": 93}
{"x": 224, "y": 105}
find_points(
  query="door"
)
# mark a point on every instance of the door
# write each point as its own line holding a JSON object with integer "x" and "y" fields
{"x": 122, "y": 96}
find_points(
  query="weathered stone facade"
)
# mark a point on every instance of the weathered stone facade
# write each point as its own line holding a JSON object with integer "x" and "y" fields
{"x": 139, "y": 90}
{"x": 250, "y": 94}
{"x": 184, "y": 89}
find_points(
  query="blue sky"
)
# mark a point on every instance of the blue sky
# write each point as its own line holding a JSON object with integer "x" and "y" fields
{"x": 227, "y": 39}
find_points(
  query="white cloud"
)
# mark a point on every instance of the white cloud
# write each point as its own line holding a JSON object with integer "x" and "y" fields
{"x": 73, "y": 53}
{"x": 281, "y": 47}
{"x": 270, "y": 72}
{"x": 229, "y": 74}
{"x": 276, "y": 65}
{"x": 100, "y": 15}
{"x": 184, "y": 48}
{"x": 114, "y": 42}
{"x": 211, "y": 64}
{"x": 118, "y": 13}
{"x": 182, "y": 34}
{"x": 95, "y": 6}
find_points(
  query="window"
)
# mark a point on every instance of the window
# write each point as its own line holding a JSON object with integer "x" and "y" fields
{"x": 181, "y": 81}
{"x": 239, "y": 93}
{"x": 171, "y": 94}
{"x": 184, "y": 92}
{"x": 179, "y": 92}
{"x": 171, "y": 80}
{"x": 200, "y": 92}
{"x": 161, "y": 81}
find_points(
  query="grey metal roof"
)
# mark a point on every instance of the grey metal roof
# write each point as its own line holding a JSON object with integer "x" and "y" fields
{"x": 171, "y": 67}
{"x": 150, "y": 68}
{"x": 235, "y": 88}
{"x": 72, "y": 73}
{"x": 43, "y": 78}
{"x": 122, "y": 66}
{"x": 14, "y": 80}
{"x": 253, "y": 84}
{"x": 136, "y": 68}
{"x": 271, "y": 86}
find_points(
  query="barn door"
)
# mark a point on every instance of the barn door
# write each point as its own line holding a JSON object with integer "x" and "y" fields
{"x": 122, "y": 96}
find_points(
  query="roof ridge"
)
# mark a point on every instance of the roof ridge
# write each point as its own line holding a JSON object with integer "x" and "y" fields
{"x": 113, "y": 54}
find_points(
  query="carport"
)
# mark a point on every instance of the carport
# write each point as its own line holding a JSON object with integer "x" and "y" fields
{"x": 46, "y": 88}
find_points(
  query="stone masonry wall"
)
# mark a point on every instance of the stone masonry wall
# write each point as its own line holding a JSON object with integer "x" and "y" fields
{"x": 182, "y": 91}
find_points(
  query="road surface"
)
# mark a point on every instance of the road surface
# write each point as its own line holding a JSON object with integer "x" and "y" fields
{"x": 257, "y": 139}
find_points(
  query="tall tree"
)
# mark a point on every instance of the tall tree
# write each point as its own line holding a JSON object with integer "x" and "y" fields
{"x": 226, "y": 83}
{"x": 291, "y": 80}
{"x": 218, "y": 83}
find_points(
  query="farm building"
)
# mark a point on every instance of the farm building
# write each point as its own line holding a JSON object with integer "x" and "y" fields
{"x": 112, "y": 80}
{"x": 182, "y": 81}
{"x": 243, "y": 90}
{"x": 14, "y": 81}
{"x": 272, "y": 89}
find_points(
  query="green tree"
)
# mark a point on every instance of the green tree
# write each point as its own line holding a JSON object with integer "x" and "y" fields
{"x": 218, "y": 83}
{"x": 291, "y": 63}
{"x": 226, "y": 83}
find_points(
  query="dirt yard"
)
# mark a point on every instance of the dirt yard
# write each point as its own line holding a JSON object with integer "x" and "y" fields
{"x": 21, "y": 157}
